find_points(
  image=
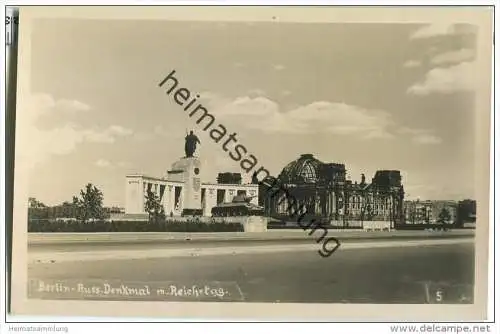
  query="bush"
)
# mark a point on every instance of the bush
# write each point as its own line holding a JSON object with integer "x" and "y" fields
{"x": 421, "y": 227}
{"x": 46, "y": 226}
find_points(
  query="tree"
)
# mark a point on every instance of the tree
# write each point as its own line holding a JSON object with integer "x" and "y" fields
{"x": 35, "y": 204}
{"x": 412, "y": 216}
{"x": 153, "y": 207}
{"x": 89, "y": 205}
{"x": 444, "y": 216}
{"x": 37, "y": 210}
{"x": 68, "y": 210}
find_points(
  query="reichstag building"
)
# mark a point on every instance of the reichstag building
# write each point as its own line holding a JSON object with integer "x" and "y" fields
{"x": 328, "y": 195}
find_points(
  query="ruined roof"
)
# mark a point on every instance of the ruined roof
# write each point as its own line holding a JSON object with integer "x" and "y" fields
{"x": 306, "y": 169}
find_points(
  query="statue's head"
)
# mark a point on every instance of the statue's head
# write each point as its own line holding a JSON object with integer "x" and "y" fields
{"x": 191, "y": 132}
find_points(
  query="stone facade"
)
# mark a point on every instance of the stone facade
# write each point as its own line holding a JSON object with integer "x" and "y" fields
{"x": 182, "y": 190}
{"x": 427, "y": 212}
{"x": 326, "y": 192}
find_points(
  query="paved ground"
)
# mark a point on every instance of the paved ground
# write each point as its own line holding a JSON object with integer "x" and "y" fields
{"x": 87, "y": 242}
{"x": 381, "y": 275}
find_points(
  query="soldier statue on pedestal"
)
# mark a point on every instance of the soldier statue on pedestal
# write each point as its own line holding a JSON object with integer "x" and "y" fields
{"x": 190, "y": 145}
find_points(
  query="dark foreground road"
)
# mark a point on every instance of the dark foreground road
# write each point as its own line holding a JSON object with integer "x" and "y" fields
{"x": 382, "y": 275}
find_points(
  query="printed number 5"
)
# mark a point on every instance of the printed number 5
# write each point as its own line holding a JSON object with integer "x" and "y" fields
{"x": 439, "y": 296}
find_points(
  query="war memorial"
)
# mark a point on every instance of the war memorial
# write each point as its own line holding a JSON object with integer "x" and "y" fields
{"x": 181, "y": 191}
{"x": 322, "y": 188}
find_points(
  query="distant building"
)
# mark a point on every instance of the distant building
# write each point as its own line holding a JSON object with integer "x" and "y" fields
{"x": 114, "y": 210}
{"x": 466, "y": 213}
{"x": 326, "y": 193}
{"x": 229, "y": 178}
{"x": 427, "y": 212}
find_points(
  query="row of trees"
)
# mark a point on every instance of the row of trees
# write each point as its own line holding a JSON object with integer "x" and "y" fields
{"x": 89, "y": 214}
{"x": 85, "y": 207}
{"x": 88, "y": 206}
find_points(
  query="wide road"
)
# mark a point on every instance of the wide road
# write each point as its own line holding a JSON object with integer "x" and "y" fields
{"x": 380, "y": 275}
{"x": 90, "y": 242}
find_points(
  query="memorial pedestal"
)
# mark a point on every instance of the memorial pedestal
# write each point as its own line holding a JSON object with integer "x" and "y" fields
{"x": 255, "y": 224}
{"x": 187, "y": 171}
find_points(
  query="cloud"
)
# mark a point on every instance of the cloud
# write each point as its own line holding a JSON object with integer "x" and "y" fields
{"x": 72, "y": 105}
{"x": 456, "y": 56}
{"x": 103, "y": 163}
{"x": 160, "y": 130}
{"x": 47, "y": 102}
{"x": 344, "y": 119}
{"x": 263, "y": 114}
{"x": 434, "y": 29}
{"x": 36, "y": 144}
{"x": 443, "y": 29}
{"x": 39, "y": 105}
{"x": 256, "y": 92}
{"x": 123, "y": 164}
{"x": 412, "y": 63}
{"x": 378, "y": 134}
{"x": 445, "y": 80}
{"x": 119, "y": 130}
{"x": 105, "y": 136}
{"x": 278, "y": 67}
{"x": 432, "y": 50}
{"x": 427, "y": 139}
{"x": 420, "y": 136}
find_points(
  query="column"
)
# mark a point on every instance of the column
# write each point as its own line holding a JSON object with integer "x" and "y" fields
{"x": 134, "y": 200}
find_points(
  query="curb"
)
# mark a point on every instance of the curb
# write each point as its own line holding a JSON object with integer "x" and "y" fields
{"x": 64, "y": 238}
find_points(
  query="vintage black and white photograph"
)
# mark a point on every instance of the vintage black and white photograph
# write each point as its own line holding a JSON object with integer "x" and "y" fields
{"x": 255, "y": 162}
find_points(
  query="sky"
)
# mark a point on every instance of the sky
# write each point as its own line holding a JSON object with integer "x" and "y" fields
{"x": 371, "y": 96}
